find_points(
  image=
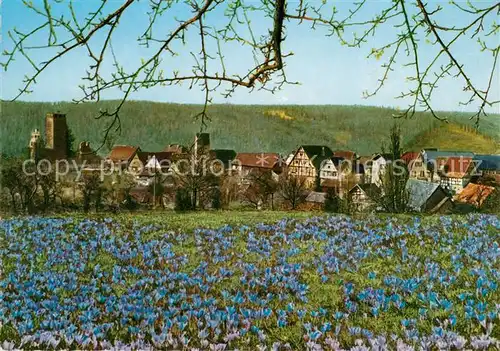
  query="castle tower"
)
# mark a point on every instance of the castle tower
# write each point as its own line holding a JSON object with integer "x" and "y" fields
{"x": 56, "y": 135}
{"x": 34, "y": 145}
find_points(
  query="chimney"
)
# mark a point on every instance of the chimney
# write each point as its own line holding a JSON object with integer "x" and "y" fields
{"x": 322, "y": 151}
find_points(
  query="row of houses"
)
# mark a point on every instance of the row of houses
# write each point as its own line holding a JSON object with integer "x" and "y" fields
{"x": 434, "y": 174}
{"x": 437, "y": 178}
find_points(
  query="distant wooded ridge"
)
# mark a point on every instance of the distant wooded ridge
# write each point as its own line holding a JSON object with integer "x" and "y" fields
{"x": 251, "y": 128}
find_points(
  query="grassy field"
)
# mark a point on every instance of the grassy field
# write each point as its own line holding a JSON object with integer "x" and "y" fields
{"x": 188, "y": 221}
{"x": 168, "y": 282}
{"x": 244, "y": 128}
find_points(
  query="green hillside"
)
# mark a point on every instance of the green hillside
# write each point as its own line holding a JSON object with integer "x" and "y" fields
{"x": 455, "y": 137}
{"x": 250, "y": 128}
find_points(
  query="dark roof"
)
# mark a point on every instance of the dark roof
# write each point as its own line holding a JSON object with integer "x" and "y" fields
{"x": 419, "y": 191}
{"x": 337, "y": 160}
{"x": 370, "y": 189}
{"x": 143, "y": 156}
{"x": 160, "y": 156}
{"x": 225, "y": 155}
{"x": 432, "y": 154}
{"x": 488, "y": 162}
{"x": 319, "y": 152}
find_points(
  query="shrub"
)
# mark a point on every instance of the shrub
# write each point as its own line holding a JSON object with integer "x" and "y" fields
{"x": 332, "y": 201}
{"x": 129, "y": 202}
{"x": 216, "y": 199}
{"x": 183, "y": 200}
{"x": 492, "y": 203}
{"x": 293, "y": 190}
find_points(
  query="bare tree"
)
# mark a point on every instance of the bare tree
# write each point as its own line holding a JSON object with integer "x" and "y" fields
{"x": 252, "y": 196}
{"x": 23, "y": 184}
{"x": 27, "y": 186}
{"x": 194, "y": 176}
{"x": 293, "y": 189}
{"x": 261, "y": 189}
{"x": 50, "y": 189}
{"x": 119, "y": 187}
{"x": 68, "y": 29}
{"x": 9, "y": 181}
{"x": 230, "y": 189}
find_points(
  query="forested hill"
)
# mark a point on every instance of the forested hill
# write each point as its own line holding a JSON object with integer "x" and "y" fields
{"x": 250, "y": 128}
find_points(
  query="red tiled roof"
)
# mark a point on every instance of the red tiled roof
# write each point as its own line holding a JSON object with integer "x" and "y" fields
{"x": 474, "y": 194}
{"x": 257, "y": 159}
{"x": 122, "y": 153}
{"x": 456, "y": 167}
{"x": 410, "y": 156}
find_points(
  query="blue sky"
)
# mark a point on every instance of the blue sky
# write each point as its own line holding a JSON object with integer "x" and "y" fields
{"x": 328, "y": 72}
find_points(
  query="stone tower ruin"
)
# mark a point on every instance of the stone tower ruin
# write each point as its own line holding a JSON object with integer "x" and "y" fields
{"x": 34, "y": 144}
{"x": 56, "y": 136}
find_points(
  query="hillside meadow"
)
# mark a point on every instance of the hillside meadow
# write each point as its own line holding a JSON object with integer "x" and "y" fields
{"x": 248, "y": 128}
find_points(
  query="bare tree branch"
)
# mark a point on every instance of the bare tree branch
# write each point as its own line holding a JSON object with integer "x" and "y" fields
{"x": 411, "y": 22}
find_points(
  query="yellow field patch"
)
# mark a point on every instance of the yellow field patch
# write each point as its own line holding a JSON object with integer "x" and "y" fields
{"x": 281, "y": 114}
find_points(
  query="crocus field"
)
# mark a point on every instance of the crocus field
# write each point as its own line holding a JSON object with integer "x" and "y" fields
{"x": 323, "y": 283}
